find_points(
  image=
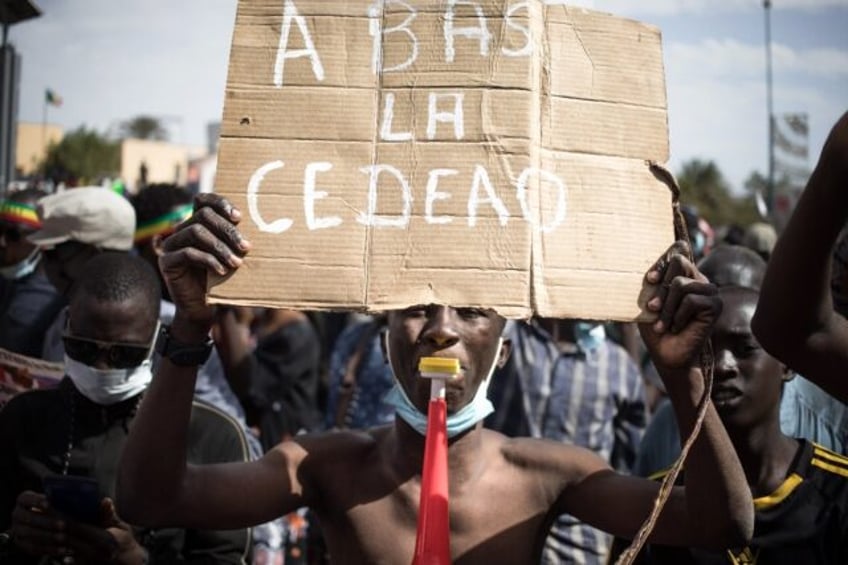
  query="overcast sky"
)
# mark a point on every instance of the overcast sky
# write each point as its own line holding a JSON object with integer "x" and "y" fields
{"x": 111, "y": 60}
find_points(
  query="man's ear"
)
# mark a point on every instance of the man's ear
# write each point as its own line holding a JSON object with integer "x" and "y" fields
{"x": 787, "y": 374}
{"x": 506, "y": 351}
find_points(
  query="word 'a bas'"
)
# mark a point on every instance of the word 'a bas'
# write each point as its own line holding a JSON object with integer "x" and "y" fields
{"x": 479, "y": 32}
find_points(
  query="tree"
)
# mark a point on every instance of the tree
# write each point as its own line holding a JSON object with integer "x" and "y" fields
{"x": 703, "y": 185}
{"x": 144, "y": 127}
{"x": 83, "y": 156}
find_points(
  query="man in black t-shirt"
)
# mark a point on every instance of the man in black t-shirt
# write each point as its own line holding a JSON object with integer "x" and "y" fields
{"x": 800, "y": 489}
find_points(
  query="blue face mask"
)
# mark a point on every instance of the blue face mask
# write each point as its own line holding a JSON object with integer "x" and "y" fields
{"x": 465, "y": 419}
{"x": 22, "y": 268}
{"x": 589, "y": 336}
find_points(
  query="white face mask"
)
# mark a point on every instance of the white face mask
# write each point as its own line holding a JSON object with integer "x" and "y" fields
{"x": 464, "y": 419}
{"x": 22, "y": 268}
{"x": 109, "y": 386}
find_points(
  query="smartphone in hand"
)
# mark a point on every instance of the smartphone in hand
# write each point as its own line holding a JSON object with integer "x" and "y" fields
{"x": 77, "y": 498}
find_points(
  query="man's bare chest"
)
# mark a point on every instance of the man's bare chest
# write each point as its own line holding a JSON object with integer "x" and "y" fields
{"x": 489, "y": 523}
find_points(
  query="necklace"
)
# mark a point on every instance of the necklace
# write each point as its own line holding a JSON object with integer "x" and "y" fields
{"x": 72, "y": 413}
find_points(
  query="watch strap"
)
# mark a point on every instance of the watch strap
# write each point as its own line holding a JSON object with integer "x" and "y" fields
{"x": 182, "y": 354}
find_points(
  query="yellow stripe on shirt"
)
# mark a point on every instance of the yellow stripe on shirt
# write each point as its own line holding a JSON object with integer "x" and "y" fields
{"x": 836, "y": 469}
{"x": 830, "y": 456}
{"x": 779, "y": 495}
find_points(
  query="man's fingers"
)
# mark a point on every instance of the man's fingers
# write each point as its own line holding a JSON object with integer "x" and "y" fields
{"x": 35, "y": 528}
{"x": 699, "y": 300}
{"x": 678, "y": 290}
{"x": 200, "y": 237}
{"x": 29, "y": 499}
{"x": 92, "y": 541}
{"x": 36, "y": 520}
{"x": 671, "y": 264}
{"x": 219, "y": 204}
{"x": 669, "y": 295}
{"x": 41, "y": 542}
{"x": 191, "y": 256}
{"x": 208, "y": 227}
{"x": 655, "y": 273}
{"x": 676, "y": 269}
{"x": 109, "y": 515}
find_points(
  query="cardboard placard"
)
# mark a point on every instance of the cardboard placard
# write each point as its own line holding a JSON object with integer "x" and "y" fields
{"x": 491, "y": 153}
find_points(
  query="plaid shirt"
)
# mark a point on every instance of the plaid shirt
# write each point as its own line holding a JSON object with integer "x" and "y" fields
{"x": 593, "y": 398}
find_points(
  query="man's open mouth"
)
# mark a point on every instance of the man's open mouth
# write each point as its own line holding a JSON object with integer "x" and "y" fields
{"x": 726, "y": 396}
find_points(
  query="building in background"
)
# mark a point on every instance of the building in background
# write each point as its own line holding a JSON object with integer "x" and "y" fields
{"x": 147, "y": 162}
{"x": 142, "y": 161}
{"x": 31, "y": 145}
{"x": 201, "y": 174}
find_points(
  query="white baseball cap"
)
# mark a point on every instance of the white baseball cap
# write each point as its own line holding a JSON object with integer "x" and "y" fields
{"x": 93, "y": 215}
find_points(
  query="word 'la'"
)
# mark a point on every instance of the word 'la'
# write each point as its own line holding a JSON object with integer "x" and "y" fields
{"x": 479, "y": 32}
{"x": 481, "y": 192}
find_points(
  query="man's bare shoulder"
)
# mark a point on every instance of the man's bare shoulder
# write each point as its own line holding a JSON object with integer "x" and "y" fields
{"x": 561, "y": 461}
{"x": 335, "y": 444}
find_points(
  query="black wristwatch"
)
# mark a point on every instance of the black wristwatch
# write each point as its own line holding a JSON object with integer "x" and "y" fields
{"x": 182, "y": 354}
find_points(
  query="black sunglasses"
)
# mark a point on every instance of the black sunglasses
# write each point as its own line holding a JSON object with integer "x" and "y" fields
{"x": 118, "y": 355}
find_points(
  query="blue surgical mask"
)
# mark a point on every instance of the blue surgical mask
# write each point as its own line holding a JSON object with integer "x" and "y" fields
{"x": 22, "y": 268}
{"x": 699, "y": 243}
{"x": 465, "y": 419}
{"x": 589, "y": 336}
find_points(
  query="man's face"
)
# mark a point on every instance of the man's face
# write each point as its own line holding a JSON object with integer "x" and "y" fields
{"x": 748, "y": 381}
{"x": 470, "y": 335}
{"x": 126, "y": 322}
{"x": 14, "y": 247}
{"x": 64, "y": 264}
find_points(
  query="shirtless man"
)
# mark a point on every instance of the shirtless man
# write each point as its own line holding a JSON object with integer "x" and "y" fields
{"x": 365, "y": 486}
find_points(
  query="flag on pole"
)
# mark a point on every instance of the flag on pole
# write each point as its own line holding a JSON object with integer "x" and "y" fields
{"x": 52, "y": 98}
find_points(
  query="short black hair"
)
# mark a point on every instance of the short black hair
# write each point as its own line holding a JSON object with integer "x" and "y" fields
{"x": 118, "y": 277}
{"x": 156, "y": 200}
{"x": 734, "y": 265}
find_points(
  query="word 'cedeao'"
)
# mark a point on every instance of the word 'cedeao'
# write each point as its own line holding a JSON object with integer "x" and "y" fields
{"x": 481, "y": 192}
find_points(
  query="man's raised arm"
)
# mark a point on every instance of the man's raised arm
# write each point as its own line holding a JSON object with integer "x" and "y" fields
{"x": 715, "y": 508}
{"x": 795, "y": 321}
{"x": 155, "y": 486}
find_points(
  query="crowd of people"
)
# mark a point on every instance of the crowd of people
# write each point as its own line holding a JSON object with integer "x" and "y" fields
{"x": 184, "y": 432}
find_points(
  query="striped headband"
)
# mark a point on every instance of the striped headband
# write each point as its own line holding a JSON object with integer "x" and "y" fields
{"x": 163, "y": 225}
{"x": 17, "y": 213}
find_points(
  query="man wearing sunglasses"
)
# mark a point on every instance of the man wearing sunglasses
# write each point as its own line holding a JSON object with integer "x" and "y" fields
{"x": 79, "y": 430}
{"x": 28, "y": 302}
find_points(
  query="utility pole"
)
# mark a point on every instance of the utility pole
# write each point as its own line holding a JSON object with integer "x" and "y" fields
{"x": 11, "y": 12}
{"x": 770, "y": 107}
